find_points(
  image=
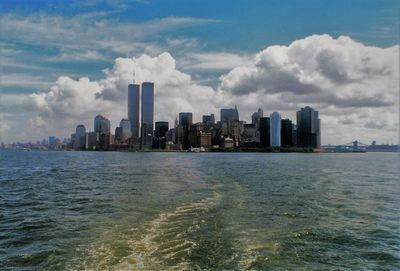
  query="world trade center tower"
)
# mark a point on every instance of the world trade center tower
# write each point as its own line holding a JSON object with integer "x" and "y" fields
{"x": 147, "y": 112}
{"x": 133, "y": 109}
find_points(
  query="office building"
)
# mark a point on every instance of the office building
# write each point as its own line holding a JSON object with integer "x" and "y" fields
{"x": 101, "y": 125}
{"x": 162, "y": 128}
{"x": 209, "y": 119}
{"x": 286, "y": 133}
{"x": 92, "y": 140}
{"x": 52, "y": 140}
{"x": 275, "y": 129}
{"x": 204, "y": 139}
{"x": 229, "y": 115}
{"x": 160, "y": 134}
{"x": 294, "y": 134}
{"x": 80, "y": 137}
{"x": 147, "y": 113}
{"x": 133, "y": 109}
{"x": 255, "y": 118}
{"x": 250, "y": 136}
{"x": 308, "y": 128}
{"x": 265, "y": 138}
{"x": 126, "y": 131}
{"x": 185, "y": 121}
{"x": 118, "y": 135}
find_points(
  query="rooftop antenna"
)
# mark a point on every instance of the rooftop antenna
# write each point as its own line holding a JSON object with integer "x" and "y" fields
{"x": 134, "y": 77}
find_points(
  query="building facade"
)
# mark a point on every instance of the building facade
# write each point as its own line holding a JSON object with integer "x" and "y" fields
{"x": 265, "y": 136}
{"x": 126, "y": 131}
{"x": 147, "y": 113}
{"x": 308, "y": 128}
{"x": 229, "y": 115}
{"x": 80, "y": 137}
{"x": 275, "y": 129}
{"x": 133, "y": 109}
{"x": 255, "y": 118}
{"x": 286, "y": 133}
{"x": 101, "y": 125}
{"x": 185, "y": 121}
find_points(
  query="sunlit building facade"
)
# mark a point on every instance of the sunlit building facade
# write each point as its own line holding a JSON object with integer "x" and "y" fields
{"x": 275, "y": 125}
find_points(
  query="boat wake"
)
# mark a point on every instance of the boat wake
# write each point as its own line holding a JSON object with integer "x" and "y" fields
{"x": 166, "y": 244}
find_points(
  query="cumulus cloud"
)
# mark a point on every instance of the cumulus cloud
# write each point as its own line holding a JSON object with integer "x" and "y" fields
{"x": 340, "y": 72}
{"x": 354, "y": 86}
{"x": 338, "y": 76}
{"x": 70, "y": 102}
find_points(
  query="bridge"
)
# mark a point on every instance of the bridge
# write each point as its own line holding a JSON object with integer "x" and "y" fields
{"x": 354, "y": 146}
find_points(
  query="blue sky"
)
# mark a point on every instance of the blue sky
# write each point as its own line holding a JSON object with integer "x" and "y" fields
{"x": 43, "y": 40}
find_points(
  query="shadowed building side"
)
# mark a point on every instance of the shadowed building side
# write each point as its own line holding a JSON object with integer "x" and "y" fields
{"x": 147, "y": 113}
{"x": 133, "y": 109}
{"x": 265, "y": 140}
{"x": 308, "y": 128}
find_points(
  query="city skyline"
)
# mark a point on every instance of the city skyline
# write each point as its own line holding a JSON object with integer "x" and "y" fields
{"x": 263, "y": 133}
{"x": 349, "y": 71}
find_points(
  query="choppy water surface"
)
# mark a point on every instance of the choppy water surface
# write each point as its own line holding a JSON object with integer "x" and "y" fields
{"x": 211, "y": 211}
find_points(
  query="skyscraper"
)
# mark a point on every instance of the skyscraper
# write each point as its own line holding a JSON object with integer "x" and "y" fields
{"x": 185, "y": 121}
{"x": 308, "y": 128}
{"x": 265, "y": 138}
{"x": 286, "y": 133}
{"x": 275, "y": 129}
{"x": 206, "y": 119}
{"x": 209, "y": 119}
{"x": 229, "y": 115}
{"x": 147, "y": 112}
{"x": 162, "y": 128}
{"x": 101, "y": 125}
{"x": 160, "y": 133}
{"x": 126, "y": 126}
{"x": 255, "y": 118}
{"x": 133, "y": 109}
{"x": 185, "y": 118}
{"x": 80, "y": 137}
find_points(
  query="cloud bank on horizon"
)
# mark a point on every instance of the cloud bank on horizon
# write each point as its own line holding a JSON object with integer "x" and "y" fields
{"x": 353, "y": 85}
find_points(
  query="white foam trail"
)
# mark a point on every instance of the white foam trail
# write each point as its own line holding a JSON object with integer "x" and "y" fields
{"x": 164, "y": 245}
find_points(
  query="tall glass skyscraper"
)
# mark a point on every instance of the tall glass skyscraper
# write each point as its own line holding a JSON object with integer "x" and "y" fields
{"x": 80, "y": 130}
{"x": 265, "y": 135}
{"x": 275, "y": 129}
{"x": 147, "y": 112}
{"x": 133, "y": 108}
{"x": 126, "y": 126}
{"x": 308, "y": 128}
{"x": 286, "y": 133}
{"x": 229, "y": 115}
{"x": 101, "y": 125}
{"x": 185, "y": 121}
{"x": 80, "y": 137}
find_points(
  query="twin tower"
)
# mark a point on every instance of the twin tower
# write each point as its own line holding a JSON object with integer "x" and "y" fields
{"x": 143, "y": 102}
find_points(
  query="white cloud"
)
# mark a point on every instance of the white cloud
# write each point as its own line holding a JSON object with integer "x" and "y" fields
{"x": 87, "y": 31}
{"x": 340, "y": 77}
{"x": 14, "y": 80}
{"x": 215, "y": 60}
{"x": 355, "y": 88}
{"x": 78, "y": 55}
{"x": 70, "y": 102}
